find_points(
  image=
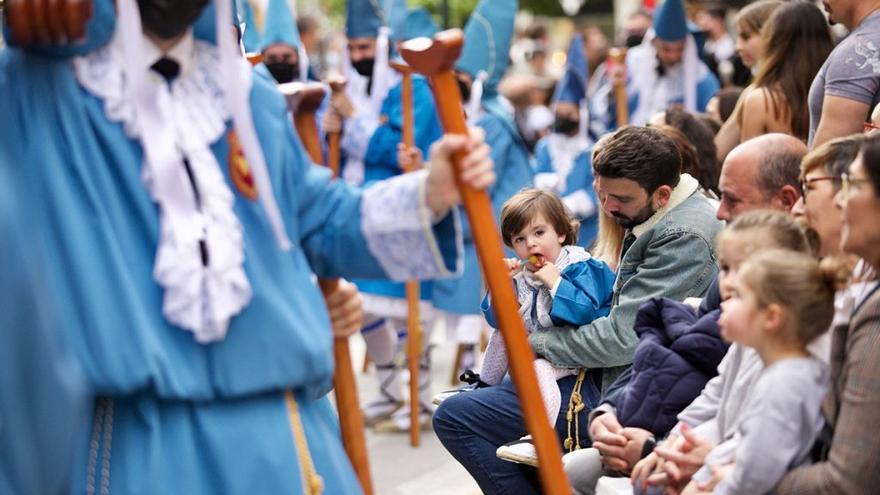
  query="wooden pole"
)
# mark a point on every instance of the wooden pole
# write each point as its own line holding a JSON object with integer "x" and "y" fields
{"x": 435, "y": 59}
{"x": 413, "y": 319}
{"x": 334, "y": 153}
{"x": 621, "y": 102}
{"x": 304, "y": 99}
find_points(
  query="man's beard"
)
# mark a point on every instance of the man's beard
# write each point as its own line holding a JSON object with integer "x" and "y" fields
{"x": 630, "y": 222}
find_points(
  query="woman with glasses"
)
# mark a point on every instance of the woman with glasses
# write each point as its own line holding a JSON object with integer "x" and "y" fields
{"x": 848, "y": 451}
{"x": 821, "y": 170}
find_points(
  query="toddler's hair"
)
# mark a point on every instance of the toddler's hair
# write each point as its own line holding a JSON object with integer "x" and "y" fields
{"x": 797, "y": 282}
{"x": 524, "y": 206}
{"x": 779, "y": 229}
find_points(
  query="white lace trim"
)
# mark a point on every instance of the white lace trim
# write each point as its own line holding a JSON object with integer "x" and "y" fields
{"x": 200, "y": 299}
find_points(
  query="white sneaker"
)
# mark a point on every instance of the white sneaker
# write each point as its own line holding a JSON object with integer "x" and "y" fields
{"x": 439, "y": 398}
{"x": 399, "y": 421}
{"x": 380, "y": 410}
{"x": 521, "y": 451}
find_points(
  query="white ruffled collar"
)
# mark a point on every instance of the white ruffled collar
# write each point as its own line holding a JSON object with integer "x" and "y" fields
{"x": 201, "y": 298}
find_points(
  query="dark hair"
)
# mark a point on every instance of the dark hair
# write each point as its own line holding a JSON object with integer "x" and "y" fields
{"x": 796, "y": 42}
{"x": 727, "y": 99}
{"x": 780, "y": 167}
{"x": 834, "y": 157}
{"x": 703, "y": 140}
{"x": 305, "y": 23}
{"x": 716, "y": 10}
{"x": 710, "y": 122}
{"x": 641, "y": 154}
{"x": 519, "y": 211}
{"x": 689, "y": 163}
{"x": 870, "y": 151}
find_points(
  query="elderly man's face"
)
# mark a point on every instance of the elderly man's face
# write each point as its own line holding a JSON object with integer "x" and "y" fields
{"x": 739, "y": 186}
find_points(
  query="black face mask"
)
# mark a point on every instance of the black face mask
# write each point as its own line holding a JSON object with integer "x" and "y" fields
{"x": 364, "y": 67}
{"x": 634, "y": 39}
{"x": 465, "y": 89}
{"x": 168, "y": 19}
{"x": 283, "y": 72}
{"x": 569, "y": 127}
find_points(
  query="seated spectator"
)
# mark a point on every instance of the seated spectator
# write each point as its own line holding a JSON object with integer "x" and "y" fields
{"x": 781, "y": 302}
{"x": 620, "y": 428}
{"x": 849, "y": 455}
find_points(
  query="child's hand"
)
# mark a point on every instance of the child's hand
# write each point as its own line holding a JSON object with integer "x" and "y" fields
{"x": 409, "y": 158}
{"x": 513, "y": 266}
{"x": 548, "y": 274}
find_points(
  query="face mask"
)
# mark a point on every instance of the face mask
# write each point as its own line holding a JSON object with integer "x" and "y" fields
{"x": 168, "y": 19}
{"x": 465, "y": 90}
{"x": 283, "y": 72}
{"x": 562, "y": 125}
{"x": 634, "y": 39}
{"x": 364, "y": 67}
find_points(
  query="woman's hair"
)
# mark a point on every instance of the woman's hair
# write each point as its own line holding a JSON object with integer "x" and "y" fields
{"x": 834, "y": 157}
{"x": 727, "y": 99}
{"x": 703, "y": 140}
{"x": 779, "y": 230}
{"x": 519, "y": 211}
{"x": 796, "y": 282}
{"x": 796, "y": 41}
{"x": 689, "y": 163}
{"x": 753, "y": 16}
{"x": 870, "y": 151}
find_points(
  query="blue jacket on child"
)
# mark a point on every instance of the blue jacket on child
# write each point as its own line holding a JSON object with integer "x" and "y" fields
{"x": 678, "y": 353}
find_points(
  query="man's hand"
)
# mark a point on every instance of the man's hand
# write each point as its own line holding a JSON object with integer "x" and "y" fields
{"x": 331, "y": 122}
{"x": 477, "y": 169}
{"x": 346, "y": 309}
{"x": 608, "y": 439}
{"x": 409, "y": 158}
{"x": 340, "y": 103}
{"x": 651, "y": 467}
{"x": 548, "y": 274}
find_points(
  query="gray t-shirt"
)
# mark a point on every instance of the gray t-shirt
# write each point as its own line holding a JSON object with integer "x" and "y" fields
{"x": 852, "y": 71}
{"x": 777, "y": 430}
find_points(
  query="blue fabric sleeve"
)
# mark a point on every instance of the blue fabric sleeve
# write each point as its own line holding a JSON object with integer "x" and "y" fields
{"x": 584, "y": 293}
{"x": 706, "y": 89}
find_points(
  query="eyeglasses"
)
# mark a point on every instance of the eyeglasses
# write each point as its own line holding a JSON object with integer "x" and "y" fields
{"x": 805, "y": 183}
{"x": 850, "y": 184}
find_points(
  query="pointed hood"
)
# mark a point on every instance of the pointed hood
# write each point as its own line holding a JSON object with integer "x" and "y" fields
{"x": 487, "y": 37}
{"x": 251, "y": 38}
{"x": 670, "y": 21}
{"x": 572, "y": 87}
{"x": 418, "y": 23}
{"x": 280, "y": 25}
{"x": 363, "y": 18}
{"x": 395, "y": 15}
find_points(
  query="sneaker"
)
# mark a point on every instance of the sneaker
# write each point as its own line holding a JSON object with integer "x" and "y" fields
{"x": 399, "y": 422}
{"x": 521, "y": 451}
{"x": 380, "y": 410}
{"x": 439, "y": 398}
{"x": 470, "y": 377}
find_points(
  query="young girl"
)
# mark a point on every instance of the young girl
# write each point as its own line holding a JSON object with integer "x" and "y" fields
{"x": 780, "y": 302}
{"x": 557, "y": 283}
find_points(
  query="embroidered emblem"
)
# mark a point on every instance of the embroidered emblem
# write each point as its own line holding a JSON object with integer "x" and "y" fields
{"x": 239, "y": 170}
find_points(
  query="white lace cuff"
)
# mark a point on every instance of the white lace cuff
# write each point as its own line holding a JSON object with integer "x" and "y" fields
{"x": 401, "y": 235}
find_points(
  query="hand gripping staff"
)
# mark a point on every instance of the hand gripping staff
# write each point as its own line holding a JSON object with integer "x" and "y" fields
{"x": 303, "y": 99}
{"x": 618, "y": 57}
{"x": 413, "y": 320}
{"x": 435, "y": 59}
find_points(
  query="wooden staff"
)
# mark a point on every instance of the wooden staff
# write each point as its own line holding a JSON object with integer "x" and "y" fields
{"x": 413, "y": 320}
{"x": 254, "y": 57}
{"x": 304, "y": 99}
{"x": 618, "y": 58}
{"x": 32, "y": 22}
{"x": 435, "y": 59}
{"x": 334, "y": 153}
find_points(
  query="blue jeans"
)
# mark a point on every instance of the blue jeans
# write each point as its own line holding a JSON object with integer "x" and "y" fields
{"x": 472, "y": 425}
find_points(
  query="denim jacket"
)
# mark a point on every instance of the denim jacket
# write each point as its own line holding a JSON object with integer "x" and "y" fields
{"x": 672, "y": 256}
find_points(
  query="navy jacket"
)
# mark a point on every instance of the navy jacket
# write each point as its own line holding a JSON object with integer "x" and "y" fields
{"x": 678, "y": 353}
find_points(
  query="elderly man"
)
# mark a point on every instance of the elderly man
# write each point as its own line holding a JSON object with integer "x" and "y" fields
{"x": 763, "y": 172}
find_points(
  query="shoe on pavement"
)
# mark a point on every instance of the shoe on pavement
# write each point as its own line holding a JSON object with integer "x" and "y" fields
{"x": 520, "y": 451}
